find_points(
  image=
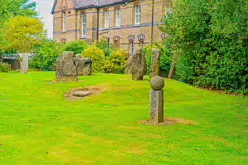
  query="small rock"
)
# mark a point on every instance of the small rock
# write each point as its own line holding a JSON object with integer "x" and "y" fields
{"x": 81, "y": 93}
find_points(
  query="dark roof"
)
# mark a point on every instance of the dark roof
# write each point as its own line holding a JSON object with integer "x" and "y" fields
{"x": 83, "y": 4}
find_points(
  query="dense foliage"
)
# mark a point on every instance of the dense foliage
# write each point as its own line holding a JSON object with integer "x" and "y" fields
{"x": 13, "y": 8}
{"x": 212, "y": 40}
{"x": 116, "y": 62}
{"x": 4, "y": 67}
{"x": 77, "y": 47}
{"x": 46, "y": 55}
{"x": 98, "y": 57}
{"x": 23, "y": 33}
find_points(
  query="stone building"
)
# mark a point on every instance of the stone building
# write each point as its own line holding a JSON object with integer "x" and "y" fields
{"x": 125, "y": 23}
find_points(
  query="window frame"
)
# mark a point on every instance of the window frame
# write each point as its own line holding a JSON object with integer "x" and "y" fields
{"x": 131, "y": 47}
{"x": 137, "y": 9}
{"x": 64, "y": 21}
{"x": 106, "y": 19}
{"x": 117, "y": 17}
{"x": 84, "y": 24}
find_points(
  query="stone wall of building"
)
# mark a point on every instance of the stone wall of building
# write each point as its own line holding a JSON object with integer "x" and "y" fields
{"x": 127, "y": 28}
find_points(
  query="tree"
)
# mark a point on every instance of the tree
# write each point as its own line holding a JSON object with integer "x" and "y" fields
{"x": 23, "y": 33}
{"x": 210, "y": 41}
{"x": 13, "y": 8}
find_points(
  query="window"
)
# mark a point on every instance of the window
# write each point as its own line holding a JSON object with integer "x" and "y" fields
{"x": 106, "y": 19}
{"x": 84, "y": 25}
{"x": 131, "y": 47}
{"x": 118, "y": 18}
{"x": 137, "y": 14}
{"x": 64, "y": 21}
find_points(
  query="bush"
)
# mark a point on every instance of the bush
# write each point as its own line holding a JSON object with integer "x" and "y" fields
{"x": 4, "y": 67}
{"x": 116, "y": 62}
{"x": 105, "y": 46}
{"x": 211, "y": 37}
{"x": 46, "y": 56}
{"x": 98, "y": 57}
{"x": 77, "y": 47}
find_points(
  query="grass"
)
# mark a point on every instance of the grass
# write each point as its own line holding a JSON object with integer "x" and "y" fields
{"x": 39, "y": 127}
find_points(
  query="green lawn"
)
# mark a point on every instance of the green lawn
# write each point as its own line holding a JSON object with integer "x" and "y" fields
{"x": 39, "y": 127}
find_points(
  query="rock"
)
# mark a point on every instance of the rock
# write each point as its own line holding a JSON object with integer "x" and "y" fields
{"x": 66, "y": 70}
{"x": 128, "y": 65}
{"x": 138, "y": 65}
{"x": 155, "y": 65}
{"x": 81, "y": 93}
{"x": 157, "y": 83}
{"x": 83, "y": 66}
{"x": 24, "y": 63}
{"x": 78, "y": 56}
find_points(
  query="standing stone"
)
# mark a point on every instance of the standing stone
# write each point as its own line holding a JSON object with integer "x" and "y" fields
{"x": 87, "y": 71}
{"x": 155, "y": 65}
{"x": 66, "y": 70}
{"x": 83, "y": 66}
{"x": 157, "y": 100}
{"x": 128, "y": 65}
{"x": 138, "y": 65}
{"x": 24, "y": 63}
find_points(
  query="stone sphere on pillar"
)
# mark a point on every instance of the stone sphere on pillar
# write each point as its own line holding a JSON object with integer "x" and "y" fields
{"x": 157, "y": 83}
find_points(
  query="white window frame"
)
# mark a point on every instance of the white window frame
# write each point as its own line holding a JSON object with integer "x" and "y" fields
{"x": 106, "y": 19}
{"x": 137, "y": 14}
{"x": 84, "y": 24}
{"x": 132, "y": 49}
{"x": 64, "y": 21}
{"x": 118, "y": 18}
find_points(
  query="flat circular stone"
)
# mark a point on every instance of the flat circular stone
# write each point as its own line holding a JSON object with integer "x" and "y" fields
{"x": 81, "y": 93}
{"x": 157, "y": 83}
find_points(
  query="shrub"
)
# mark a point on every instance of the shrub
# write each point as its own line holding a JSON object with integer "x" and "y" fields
{"x": 4, "y": 67}
{"x": 105, "y": 46}
{"x": 46, "y": 56}
{"x": 116, "y": 62}
{"x": 211, "y": 37}
{"x": 77, "y": 47}
{"x": 98, "y": 57}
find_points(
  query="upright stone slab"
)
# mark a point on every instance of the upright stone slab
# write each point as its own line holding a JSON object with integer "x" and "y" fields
{"x": 138, "y": 65}
{"x": 24, "y": 63}
{"x": 128, "y": 66}
{"x": 66, "y": 70}
{"x": 83, "y": 66}
{"x": 155, "y": 63}
{"x": 157, "y": 100}
{"x": 87, "y": 70}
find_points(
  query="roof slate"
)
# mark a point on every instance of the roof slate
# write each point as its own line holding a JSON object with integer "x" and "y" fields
{"x": 81, "y": 4}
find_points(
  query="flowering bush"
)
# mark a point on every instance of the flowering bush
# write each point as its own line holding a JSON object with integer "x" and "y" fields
{"x": 116, "y": 62}
{"x": 98, "y": 57}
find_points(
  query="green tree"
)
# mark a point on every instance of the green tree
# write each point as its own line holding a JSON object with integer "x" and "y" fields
{"x": 210, "y": 39}
{"x": 23, "y": 33}
{"x": 13, "y": 8}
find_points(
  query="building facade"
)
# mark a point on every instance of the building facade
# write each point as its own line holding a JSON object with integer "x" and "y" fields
{"x": 126, "y": 24}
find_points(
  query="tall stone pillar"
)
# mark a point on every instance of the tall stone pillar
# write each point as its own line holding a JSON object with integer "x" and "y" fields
{"x": 155, "y": 65}
{"x": 24, "y": 63}
{"x": 157, "y": 100}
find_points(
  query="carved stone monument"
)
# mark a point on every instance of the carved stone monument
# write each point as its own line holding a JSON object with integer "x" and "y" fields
{"x": 155, "y": 65}
{"x": 138, "y": 65}
{"x": 66, "y": 70}
{"x": 24, "y": 63}
{"x": 157, "y": 100}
